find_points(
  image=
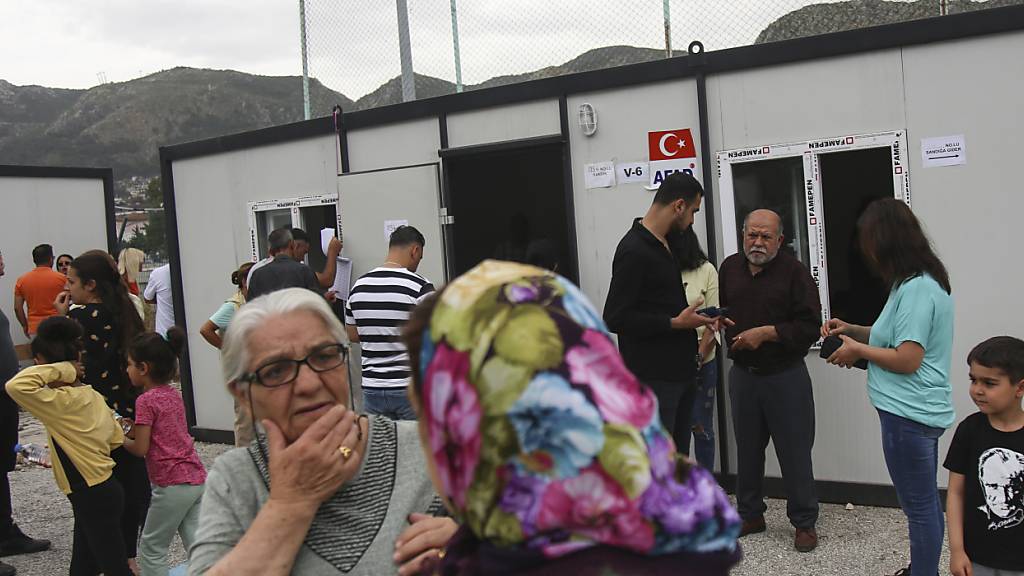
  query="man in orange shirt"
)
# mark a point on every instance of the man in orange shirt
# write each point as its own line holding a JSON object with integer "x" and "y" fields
{"x": 38, "y": 289}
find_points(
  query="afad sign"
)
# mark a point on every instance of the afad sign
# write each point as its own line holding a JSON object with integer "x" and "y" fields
{"x": 671, "y": 151}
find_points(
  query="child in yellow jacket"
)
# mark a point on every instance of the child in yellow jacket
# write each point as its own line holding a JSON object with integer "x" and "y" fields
{"x": 82, "y": 431}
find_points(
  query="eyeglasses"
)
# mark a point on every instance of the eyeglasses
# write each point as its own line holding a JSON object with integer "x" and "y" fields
{"x": 281, "y": 372}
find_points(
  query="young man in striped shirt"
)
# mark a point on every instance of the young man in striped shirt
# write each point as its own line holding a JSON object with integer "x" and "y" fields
{"x": 378, "y": 307}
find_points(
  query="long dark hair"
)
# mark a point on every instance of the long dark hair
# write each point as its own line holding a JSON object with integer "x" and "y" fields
{"x": 687, "y": 251}
{"x": 895, "y": 245}
{"x": 161, "y": 354}
{"x": 100, "y": 267}
{"x": 59, "y": 339}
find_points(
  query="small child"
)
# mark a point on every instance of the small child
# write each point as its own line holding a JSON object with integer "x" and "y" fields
{"x": 82, "y": 432}
{"x": 985, "y": 503}
{"x": 160, "y": 434}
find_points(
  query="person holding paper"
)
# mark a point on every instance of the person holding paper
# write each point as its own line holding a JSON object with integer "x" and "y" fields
{"x": 378, "y": 307}
{"x": 332, "y": 249}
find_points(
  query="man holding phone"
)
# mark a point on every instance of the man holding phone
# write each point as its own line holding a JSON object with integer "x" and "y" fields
{"x": 773, "y": 302}
{"x": 646, "y": 304}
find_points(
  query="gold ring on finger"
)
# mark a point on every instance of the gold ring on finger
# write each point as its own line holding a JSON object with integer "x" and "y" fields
{"x": 346, "y": 452}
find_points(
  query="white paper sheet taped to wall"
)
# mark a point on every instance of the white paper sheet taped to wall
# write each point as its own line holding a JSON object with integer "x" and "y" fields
{"x": 944, "y": 151}
{"x": 599, "y": 175}
{"x": 390, "y": 226}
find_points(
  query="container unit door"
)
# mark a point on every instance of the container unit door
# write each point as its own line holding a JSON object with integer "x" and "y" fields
{"x": 372, "y": 204}
{"x": 819, "y": 188}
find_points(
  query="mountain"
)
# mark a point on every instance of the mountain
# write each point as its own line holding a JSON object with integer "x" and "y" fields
{"x": 596, "y": 59}
{"x": 826, "y": 18}
{"x": 121, "y": 125}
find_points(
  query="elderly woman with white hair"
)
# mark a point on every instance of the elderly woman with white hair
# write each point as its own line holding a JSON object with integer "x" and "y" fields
{"x": 322, "y": 489}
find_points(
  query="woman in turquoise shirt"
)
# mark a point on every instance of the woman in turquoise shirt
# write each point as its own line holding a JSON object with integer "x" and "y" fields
{"x": 908, "y": 351}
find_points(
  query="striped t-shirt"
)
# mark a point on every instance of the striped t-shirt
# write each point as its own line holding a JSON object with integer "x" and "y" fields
{"x": 378, "y": 306}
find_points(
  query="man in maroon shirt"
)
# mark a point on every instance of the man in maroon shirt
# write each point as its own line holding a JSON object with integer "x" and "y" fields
{"x": 773, "y": 301}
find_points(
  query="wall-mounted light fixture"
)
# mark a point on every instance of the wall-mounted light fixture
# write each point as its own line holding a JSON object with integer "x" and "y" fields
{"x": 588, "y": 119}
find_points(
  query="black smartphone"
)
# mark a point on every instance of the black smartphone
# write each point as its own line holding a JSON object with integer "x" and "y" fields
{"x": 713, "y": 312}
{"x": 832, "y": 343}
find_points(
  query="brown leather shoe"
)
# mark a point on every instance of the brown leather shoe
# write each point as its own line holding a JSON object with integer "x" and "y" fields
{"x": 806, "y": 539}
{"x": 753, "y": 526}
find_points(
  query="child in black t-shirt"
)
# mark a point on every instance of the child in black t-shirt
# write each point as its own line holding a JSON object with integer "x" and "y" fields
{"x": 985, "y": 503}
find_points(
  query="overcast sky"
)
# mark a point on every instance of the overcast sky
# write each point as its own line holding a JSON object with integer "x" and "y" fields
{"x": 353, "y": 43}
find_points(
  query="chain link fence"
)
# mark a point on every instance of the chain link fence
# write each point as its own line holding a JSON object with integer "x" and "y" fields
{"x": 354, "y": 46}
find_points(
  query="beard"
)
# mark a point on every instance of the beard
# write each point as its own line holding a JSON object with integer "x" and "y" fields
{"x": 758, "y": 257}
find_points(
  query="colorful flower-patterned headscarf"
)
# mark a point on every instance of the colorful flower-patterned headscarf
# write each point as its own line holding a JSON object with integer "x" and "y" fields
{"x": 543, "y": 440}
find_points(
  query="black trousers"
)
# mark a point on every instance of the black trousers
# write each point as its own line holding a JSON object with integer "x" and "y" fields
{"x": 97, "y": 517}
{"x": 8, "y": 459}
{"x": 780, "y": 408}
{"x": 130, "y": 473}
{"x": 6, "y": 513}
{"x": 675, "y": 404}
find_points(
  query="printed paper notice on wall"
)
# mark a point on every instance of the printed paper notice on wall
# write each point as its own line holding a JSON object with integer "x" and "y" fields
{"x": 630, "y": 172}
{"x": 599, "y": 175}
{"x": 390, "y": 226}
{"x": 944, "y": 151}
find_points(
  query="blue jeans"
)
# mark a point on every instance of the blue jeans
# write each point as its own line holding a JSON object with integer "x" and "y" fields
{"x": 912, "y": 456}
{"x": 703, "y": 419}
{"x": 393, "y": 403}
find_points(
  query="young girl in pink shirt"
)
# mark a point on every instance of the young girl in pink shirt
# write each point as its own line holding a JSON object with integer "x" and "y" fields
{"x": 160, "y": 434}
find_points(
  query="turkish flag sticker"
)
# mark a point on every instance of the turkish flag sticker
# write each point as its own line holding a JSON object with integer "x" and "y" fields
{"x": 670, "y": 145}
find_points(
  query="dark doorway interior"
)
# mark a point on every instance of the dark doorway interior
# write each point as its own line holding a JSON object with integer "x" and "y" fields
{"x": 849, "y": 182}
{"x": 777, "y": 185}
{"x": 315, "y": 219}
{"x": 510, "y": 205}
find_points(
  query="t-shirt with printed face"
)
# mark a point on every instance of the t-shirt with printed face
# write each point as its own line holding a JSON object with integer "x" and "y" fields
{"x": 992, "y": 463}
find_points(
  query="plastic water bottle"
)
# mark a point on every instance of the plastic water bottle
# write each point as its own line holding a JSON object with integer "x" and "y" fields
{"x": 35, "y": 454}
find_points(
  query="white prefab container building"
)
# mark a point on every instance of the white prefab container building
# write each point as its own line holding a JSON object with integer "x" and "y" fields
{"x": 71, "y": 209}
{"x": 815, "y": 128}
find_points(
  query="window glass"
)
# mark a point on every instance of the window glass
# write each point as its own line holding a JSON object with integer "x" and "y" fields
{"x": 776, "y": 185}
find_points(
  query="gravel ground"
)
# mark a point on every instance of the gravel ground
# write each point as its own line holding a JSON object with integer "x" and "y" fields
{"x": 863, "y": 541}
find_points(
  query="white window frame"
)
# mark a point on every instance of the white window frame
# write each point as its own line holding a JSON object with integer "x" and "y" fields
{"x": 295, "y": 205}
{"x": 810, "y": 150}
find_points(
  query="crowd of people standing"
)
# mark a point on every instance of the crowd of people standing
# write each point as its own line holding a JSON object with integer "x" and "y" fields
{"x": 502, "y": 430}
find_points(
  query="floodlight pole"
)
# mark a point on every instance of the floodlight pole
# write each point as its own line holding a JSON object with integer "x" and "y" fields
{"x": 668, "y": 29}
{"x": 405, "y": 50}
{"x": 455, "y": 42}
{"x": 305, "y": 60}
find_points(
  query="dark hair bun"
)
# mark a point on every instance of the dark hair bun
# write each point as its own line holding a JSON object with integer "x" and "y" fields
{"x": 235, "y": 279}
{"x": 176, "y": 338}
{"x": 59, "y": 329}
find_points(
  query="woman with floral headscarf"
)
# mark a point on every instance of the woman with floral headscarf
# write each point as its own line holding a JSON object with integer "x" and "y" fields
{"x": 546, "y": 447}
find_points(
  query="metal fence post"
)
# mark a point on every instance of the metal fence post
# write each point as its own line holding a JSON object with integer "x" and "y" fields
{"x": 455, "y": 42}
{"x": 305, "y": 60}
{"x": 405, "y": 50}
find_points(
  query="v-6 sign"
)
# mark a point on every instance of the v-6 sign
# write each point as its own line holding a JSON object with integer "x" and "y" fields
{"x": 671, "y": 151}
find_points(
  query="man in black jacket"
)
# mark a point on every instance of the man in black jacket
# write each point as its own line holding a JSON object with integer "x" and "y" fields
{"x": 646, "y": 304}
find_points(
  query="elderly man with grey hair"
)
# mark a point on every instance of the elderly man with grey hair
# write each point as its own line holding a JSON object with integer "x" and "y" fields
{"x": 283, "y": 270}
{"x": 773, "y": 302}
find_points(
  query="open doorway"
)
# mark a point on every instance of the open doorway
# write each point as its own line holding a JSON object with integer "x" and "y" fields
{"x": 849, "y": 182}
{"x": 510, "y": 205}
{"x": 313, "y": 219}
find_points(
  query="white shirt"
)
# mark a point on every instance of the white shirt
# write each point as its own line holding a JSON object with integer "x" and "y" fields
{"x": 159, "y": 288}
